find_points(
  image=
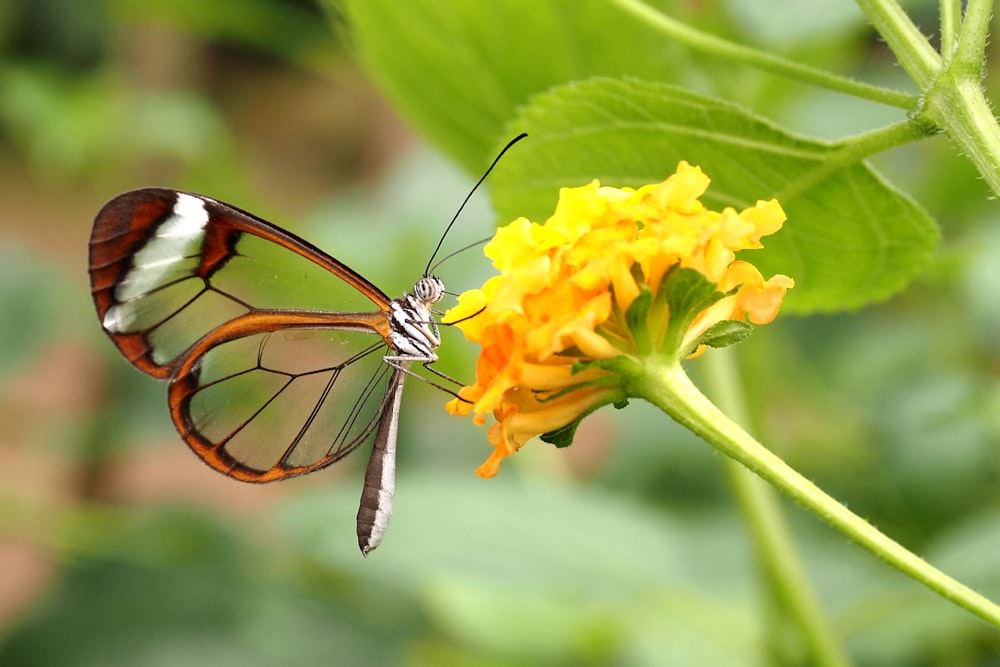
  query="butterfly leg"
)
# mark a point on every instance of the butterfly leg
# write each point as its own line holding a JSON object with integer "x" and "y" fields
{"x": 401, "y": 363}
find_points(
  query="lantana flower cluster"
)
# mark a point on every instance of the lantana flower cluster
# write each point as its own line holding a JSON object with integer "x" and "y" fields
{"x": 560, "y": 304}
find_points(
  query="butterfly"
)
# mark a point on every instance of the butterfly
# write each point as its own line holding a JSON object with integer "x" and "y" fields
{"x": 280, "y": 359}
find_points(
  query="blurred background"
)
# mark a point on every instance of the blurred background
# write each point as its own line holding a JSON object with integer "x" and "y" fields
{"x": 117, "y": 546}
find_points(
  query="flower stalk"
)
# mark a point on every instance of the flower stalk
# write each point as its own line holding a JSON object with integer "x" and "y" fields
{"x": 665, "y": 384}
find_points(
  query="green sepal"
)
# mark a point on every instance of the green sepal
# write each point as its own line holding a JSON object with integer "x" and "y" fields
{"x": 623, "y": 364}
{"x": 637, "y": 319}
{"x": 725, "y": 333}
{"x": 688, "y": 293}
{"x": 563, "y": 437}
{"x": 610, "y": 381}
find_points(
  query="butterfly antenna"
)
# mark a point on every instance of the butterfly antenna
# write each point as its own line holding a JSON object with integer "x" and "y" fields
{"x": 444, "y": 259}
{"x": 467, "y": 198}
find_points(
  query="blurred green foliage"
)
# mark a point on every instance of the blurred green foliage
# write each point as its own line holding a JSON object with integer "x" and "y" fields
{"x": 623, "y": 549}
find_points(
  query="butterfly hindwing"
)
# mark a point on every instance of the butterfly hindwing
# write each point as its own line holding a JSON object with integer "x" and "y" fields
{"x": 266, "y": 405}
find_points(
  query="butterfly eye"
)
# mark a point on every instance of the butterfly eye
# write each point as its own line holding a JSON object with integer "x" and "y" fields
{"x": 429, "y": 289}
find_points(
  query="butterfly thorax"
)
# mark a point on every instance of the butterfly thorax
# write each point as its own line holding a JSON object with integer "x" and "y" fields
{"x": 413, "y": 331}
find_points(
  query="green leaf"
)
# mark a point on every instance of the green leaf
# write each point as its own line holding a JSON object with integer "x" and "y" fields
{"x": 459, "y": 70}
{"x": 850, "y": 238}
{"x": 725, "y": 333}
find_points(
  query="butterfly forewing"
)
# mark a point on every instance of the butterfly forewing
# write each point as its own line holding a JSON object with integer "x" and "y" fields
{"x": 167, "y": 267}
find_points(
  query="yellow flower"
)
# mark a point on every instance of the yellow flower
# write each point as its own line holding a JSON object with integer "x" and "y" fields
{"x": 558, "y": 315}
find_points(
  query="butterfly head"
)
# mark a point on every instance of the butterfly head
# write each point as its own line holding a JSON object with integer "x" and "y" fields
{"x": 428, "y": 290}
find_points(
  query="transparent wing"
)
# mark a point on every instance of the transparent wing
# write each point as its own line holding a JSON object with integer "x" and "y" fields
{"x": 272, "y": 347}
{"x": 264, "y": 398}
{"x": 168, "y": 267}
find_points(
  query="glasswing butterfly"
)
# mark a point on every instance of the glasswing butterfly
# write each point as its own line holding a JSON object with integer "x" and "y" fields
{"x": 280, "y": 359}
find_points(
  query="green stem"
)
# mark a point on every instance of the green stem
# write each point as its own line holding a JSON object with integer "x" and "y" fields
{"x": 727, "y": 50}
{"x": 665, "y": 385}
{"x": 961, "y": 109}
{"x": 971, "y": 50}
{"x": 853, "y": 150}
{"x": 914, "y": 53}
{"x": 769, "y": 530}
{"x": 953, "y": 97}
{"x": 951, "y": 20}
